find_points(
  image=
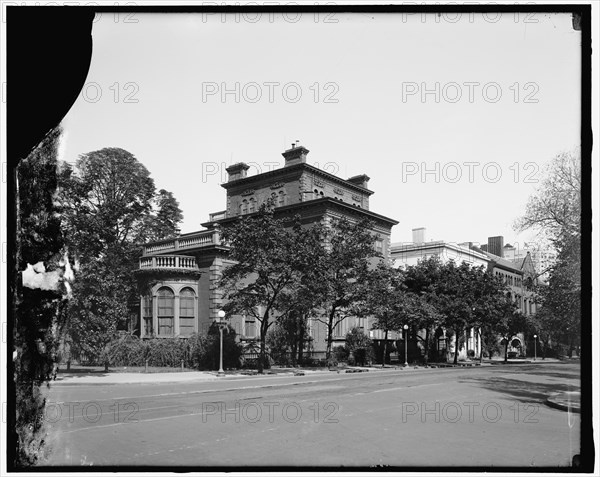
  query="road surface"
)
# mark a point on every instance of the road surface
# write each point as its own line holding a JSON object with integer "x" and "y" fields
{"x": 483, "y": 416}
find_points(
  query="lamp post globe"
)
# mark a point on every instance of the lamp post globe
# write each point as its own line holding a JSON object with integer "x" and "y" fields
{"x": 221, "y": 323}
{"x": 534, "y": 347}
{"x": 405, "y": 345}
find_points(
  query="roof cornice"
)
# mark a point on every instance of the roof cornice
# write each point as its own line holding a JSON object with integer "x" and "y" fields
{"x": 325, "y": 201}
{"x": 294, "y": 168}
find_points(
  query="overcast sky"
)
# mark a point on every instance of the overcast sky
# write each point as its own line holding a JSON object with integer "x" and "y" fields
{"x": 504, "y": 98}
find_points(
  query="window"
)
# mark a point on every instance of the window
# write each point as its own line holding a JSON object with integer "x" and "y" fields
{"x": 250, "y": 327}
{"x": 147, "y": 316}
{"x": 281, "y": 198}
{"x": 251, "y": 206}
{"x": 244, "y": 207}
{"x": 187, "y": 302}
{"x": 379, "y": 245}
{"x": 166, "y": 316}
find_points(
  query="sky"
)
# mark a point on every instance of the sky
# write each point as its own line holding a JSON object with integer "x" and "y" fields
{"x": 452, "y": 117}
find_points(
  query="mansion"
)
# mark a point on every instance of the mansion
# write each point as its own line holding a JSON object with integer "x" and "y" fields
{"x": 181, "y": 273}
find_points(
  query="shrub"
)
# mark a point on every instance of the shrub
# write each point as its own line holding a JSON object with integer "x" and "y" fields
{"x": 127, "y": 350}
{"x": 340, "y": 353}
{"x": 196, "y": 349}
{"x": 471, "y": 353}
{"x": 359, "y": 345}
{"x": 166, "y": 352}
{"x": 232, "y": 350}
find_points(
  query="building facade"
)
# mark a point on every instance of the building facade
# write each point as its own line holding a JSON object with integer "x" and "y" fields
{"x": 182, "y": 297}
{"x": 519, "y": 274}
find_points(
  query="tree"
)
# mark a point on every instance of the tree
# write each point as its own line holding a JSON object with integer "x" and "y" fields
{"x": 383, "y": 291}
{"x": 421, "y": 280}
{"x": 555, "y": 211}
{"x": 288, "y": 338}
{"x": 469, "y": 297}
{"x": 392, "y": 303}
{"x": 39, "y": 304}
{"x": 359, "y": 345}
{"x": 232, "y": 350}
{"x": 108, "y": 197}
{"x": 165, "y": 222}
{"x": 270, "y": 259}
{"x": 343, "y": 264}
{"x": 559, "y": 316}
{"x": 107, "y": 202}
{"x": 454, "y": 300}
{"x": 489, "y": 307}
{"x": 512, "y": 321}
{"x": 555, "y": 208}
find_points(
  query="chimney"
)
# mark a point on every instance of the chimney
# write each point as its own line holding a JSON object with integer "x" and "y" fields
{"x": 418, "y": 235}
{"x": 237, "y": 171}
{"x": 295, "y": 155}
{"x": 495, "y": 245}
{"x": 361, "y": 180}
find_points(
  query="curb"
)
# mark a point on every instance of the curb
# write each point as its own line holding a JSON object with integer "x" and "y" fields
{"x": 561, "y": 401}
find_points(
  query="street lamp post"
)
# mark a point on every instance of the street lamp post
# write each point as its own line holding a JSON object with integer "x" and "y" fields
{"x": 534, "y": 347}
{"x": 221, "y": 324}
{"x": 405, "y": 345}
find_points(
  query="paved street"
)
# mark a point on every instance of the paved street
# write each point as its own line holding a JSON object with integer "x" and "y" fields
{"x": 483, "y": 416}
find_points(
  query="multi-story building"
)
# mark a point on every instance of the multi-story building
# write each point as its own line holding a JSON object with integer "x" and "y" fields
{"x": 542, "y": 256}
{"x": 518, "y": 274}
{"x": 182, "y": 296}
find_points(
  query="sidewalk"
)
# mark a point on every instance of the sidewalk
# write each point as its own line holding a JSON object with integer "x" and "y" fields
{"x": 565, "y": 401}
{"x": 133, "y": 378}
{"x": 500, "y": 360}
{"x": 98, "y": 378}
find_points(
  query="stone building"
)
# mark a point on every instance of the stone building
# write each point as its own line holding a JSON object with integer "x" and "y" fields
{"x": 518, "y": 274}
{"x": 182, "y": 296}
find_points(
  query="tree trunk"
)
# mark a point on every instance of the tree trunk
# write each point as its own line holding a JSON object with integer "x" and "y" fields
{"x": 426, "y": 346}
{"x": 543, "y": 349}
{"x": 384, "y": 348}
{"x": 329, "y": 342}
{"x": 301, "y": 342}
{"x": 456, "y": 333}
{"x": 329, "y": 336}
{"x": 480, "y": 346}
{"x": 261, "y": 357}
{"x": 263, "y": 345}
{"x": 293, "y": 349}
{"x": 506, "y": 351}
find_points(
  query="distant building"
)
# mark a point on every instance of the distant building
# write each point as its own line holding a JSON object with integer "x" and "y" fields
{"x": 184, "y": 297}
{"x": 518, "y": 274}
{"x": 543, "y": 257}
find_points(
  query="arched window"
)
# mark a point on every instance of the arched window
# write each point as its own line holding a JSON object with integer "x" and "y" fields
{"x": 187, "y": 315}
{"x": 251, "y": 206}
{"x": 166, "y": 311}
{"x": 147, "y": 316}
{"x": 281, "y": 198}
{"x": 244, "y": 207}
{"x": 316, "y": 194}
